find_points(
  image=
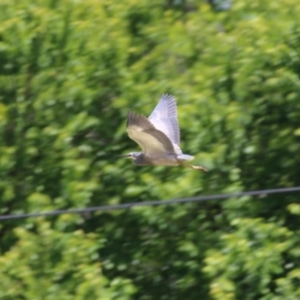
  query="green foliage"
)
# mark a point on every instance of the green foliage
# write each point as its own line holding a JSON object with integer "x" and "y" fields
{"x": 252, "y": 254}
{"x": 70, "y": 71}
{"x": 49, "y": 264}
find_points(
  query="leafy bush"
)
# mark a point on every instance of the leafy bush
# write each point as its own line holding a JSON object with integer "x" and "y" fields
{"x": 70, "y": 71}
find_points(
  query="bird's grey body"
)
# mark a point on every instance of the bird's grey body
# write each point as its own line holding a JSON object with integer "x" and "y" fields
{"x": 169, "y": 159}
{"x": 158, "y": 136}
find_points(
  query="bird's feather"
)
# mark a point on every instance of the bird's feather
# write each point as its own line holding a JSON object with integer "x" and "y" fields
{"x": 164, "y": 118}
{"x": 151, "y": 140}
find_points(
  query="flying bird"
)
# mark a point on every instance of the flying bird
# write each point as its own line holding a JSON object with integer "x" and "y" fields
{"x": 158, "y": 136}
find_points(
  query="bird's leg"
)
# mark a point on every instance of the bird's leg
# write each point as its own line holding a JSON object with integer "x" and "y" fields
{"x": 199, "y": 168}
{"x": 193, "y": 167}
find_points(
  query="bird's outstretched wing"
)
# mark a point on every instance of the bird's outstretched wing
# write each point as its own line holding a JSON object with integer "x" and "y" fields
{"x": 164, "y": 118}
{"x": 151, "y": 140}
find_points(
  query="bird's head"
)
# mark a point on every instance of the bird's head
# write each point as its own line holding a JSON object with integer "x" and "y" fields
{"x": 132, "y": 155}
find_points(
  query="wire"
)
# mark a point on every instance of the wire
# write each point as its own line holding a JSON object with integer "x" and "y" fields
{"x": 261, "y": 193}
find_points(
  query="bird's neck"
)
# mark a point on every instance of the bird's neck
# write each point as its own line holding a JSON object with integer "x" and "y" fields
{"x": 142, "y": 160}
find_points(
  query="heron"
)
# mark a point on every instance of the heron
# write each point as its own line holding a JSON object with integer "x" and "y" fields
{"x": 158, "y": 136}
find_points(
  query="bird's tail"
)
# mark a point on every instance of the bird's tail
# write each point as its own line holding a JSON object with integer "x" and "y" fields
{"x": 185, "y": 157}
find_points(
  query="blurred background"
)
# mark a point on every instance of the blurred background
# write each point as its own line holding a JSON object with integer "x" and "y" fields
{"x": 69, "y": 73}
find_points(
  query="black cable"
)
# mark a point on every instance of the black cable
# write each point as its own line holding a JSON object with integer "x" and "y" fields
{"x": 149, "y": 203}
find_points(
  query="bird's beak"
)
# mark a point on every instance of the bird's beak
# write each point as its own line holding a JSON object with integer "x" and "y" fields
{"x": 124, "y": 155}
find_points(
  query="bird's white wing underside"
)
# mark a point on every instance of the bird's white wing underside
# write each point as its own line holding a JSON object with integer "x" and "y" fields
{"x": 164, "y": 118}
{"x": 143, "y": 132}
{"x": 148, "y": 143}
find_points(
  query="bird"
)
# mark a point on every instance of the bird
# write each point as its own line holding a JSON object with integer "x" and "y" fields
{"x": 158, "y": 136}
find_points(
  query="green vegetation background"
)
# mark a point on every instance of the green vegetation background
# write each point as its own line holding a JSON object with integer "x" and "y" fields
{"x": 70, "y": 71}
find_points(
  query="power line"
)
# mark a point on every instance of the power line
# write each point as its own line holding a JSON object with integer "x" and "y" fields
{"x": 262, "y": 193}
